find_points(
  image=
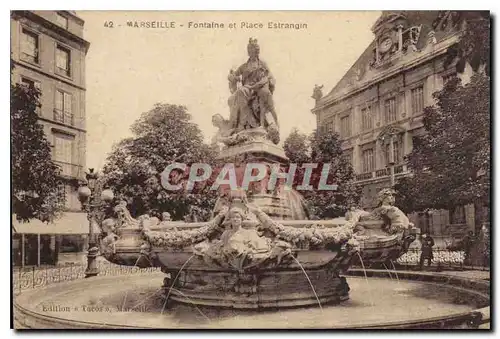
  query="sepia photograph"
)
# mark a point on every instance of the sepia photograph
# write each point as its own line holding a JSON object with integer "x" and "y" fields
{"x": 250, "y": 170}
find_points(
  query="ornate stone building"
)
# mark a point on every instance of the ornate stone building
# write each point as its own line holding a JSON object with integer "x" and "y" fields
{"x": 48, "y": 51}
{"x": 377, "y": 107}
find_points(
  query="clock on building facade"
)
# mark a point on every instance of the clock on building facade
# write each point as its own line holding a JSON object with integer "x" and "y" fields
{"x": 385, "y": 45}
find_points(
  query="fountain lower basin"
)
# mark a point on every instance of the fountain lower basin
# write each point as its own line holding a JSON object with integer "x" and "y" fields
{"x": 188, "y": 277}
{"x": 418, "y": 300}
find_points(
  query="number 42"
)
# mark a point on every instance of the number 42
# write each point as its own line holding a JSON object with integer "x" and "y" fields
{"x": 108, "y": 24}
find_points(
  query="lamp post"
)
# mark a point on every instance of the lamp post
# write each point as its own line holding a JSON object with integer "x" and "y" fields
{"x": 92, "y": 197}
{"x": 391, "y": 159}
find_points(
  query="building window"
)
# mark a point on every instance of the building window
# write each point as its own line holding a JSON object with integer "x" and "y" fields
{"x": 457, "y": 215}
{"x": 329, "y": 125}
{"x": 65, "y": 195}
{"x": 62, "y": 21}
{"x": 29, "y": 46}
{"x": 27, "y": 82}
{"x": 61, "y": 195}
{"x": 63, "y": 61}
{"x": 368, "y": 160}
{"x": 417, "y": 100}
{"x": 63, "y": 152}
{"x": 397, "y": 152}
{"x": 63, "y": 112}
{"x": 30, "y": 83}
{"x": 347, "y": 156}
{"x": 390, "y": 113}
{"x": 345, "y": 126}
{"x": 366, "y": 118}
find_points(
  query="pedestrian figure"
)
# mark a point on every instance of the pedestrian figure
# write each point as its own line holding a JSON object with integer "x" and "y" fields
{"x": 486, "y": 246}
{"x": 468, "y": 242}
{"x": 427, "y": 243}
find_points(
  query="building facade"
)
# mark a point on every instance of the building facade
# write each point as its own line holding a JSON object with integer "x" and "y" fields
{"x": 377, "y": 107}
{"x": 48, "y": 52}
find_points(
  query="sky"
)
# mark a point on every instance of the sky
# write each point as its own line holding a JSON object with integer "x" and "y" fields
{"x": 129, "y": 69}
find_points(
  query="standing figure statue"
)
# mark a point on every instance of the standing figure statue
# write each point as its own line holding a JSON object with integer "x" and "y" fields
{"x": 252, "y": 101}
{"x": 317, "y": 93}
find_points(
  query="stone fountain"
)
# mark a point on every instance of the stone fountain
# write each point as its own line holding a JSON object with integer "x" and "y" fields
{"x": 259, "y": 253}
{"x": 259, "y": 250}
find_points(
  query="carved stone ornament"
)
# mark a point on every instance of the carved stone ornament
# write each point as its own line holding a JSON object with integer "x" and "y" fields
{"x": 431, "y": 38}
{"x": 389, "y": 131}
{"x": 360, "y": 72}
{"x": 317, "y": 93}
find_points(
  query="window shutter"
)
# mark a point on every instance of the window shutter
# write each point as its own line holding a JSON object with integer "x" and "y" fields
{"x": 59, "y": 100}
{"x": 67, "y": 103}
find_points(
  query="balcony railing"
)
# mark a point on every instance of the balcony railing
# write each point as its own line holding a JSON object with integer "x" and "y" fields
{"x": 381, "y": 173}
{"x": 364, "y": 176}
{"x": 399, "y": 169}
{"x": 64, "y": 117}
{"x": 70, "y": 170}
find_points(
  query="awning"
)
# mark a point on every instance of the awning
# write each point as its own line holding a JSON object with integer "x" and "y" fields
{"x": 68, "y": 223}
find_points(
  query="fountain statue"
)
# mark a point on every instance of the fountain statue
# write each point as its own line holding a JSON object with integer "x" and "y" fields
{"x": 259, "y": 250}
{"x": 251, "y": 104}
{"x": 385, "y": 233}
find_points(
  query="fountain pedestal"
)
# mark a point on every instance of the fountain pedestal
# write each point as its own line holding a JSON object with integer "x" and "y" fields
{"x": 279, "y": 287}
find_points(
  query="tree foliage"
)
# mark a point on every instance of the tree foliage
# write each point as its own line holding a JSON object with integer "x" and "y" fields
{"x": 296, "y": 147}
{"x": 321, "y": 149}
{"x": 451, "y": 162}
{"x": 35, "y": 177}
{"x": 473, "y": 46}
{"x": 161, "y": 136}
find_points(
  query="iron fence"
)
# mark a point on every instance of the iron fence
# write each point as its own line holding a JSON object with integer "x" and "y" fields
{"x": 29, "y": 278}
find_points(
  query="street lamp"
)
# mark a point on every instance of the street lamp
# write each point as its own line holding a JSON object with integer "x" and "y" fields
{"x": 92, "y": 197}
{"x": 387, "y": 140}
{"x": 391, "y": 159}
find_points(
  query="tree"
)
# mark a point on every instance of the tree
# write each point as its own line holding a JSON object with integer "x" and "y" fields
{"x": 35, "y": 177}
{"x": 296, "y": 147}
{"x": 324, "y": 148}
{"x": 473, "y": 46}
{"x": 451, "y": 162}
{"x": 163, "y": 135}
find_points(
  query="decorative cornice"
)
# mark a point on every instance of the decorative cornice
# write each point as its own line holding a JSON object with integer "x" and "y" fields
{"x": 63, "y": 125}
{"x": 52, "y": 76}
{"x": 75, "y": 16}
{"x": 52, "y": 26}
{"x": 386, "y": 18}
{"x": 440, "y": 48}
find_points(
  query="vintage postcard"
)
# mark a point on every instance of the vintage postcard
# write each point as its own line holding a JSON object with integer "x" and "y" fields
{"x": 250, "y": 170}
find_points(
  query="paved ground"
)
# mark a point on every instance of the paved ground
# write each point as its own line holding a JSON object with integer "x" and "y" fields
{"x": 484, "y": 275}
